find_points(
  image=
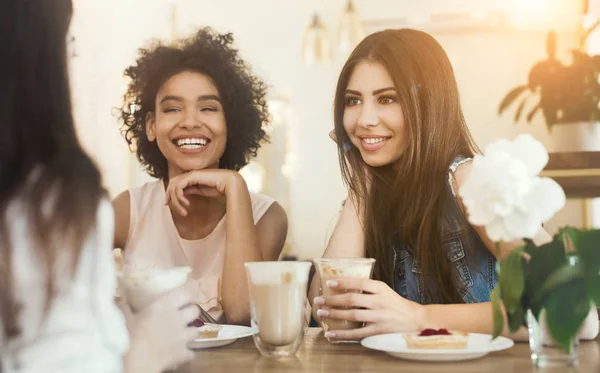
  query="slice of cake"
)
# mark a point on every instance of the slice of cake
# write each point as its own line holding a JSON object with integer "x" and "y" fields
{"x": 441, "y": 339}
{"x": 209, "y": 331}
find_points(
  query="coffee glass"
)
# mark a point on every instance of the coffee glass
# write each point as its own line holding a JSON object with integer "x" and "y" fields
{"x": 142, "y": 286}
{"x": 335, "y": 269}
{"x": 278, "y": 295}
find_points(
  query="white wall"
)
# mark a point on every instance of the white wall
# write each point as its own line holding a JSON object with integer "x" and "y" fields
{"x": 269, "y": 34}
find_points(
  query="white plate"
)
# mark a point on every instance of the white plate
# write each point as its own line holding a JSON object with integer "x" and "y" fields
{"x": 478, "y": 346}
{"x": 227, "y": 335}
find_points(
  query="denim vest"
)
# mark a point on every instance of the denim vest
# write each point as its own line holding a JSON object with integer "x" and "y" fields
{"x": 475, "y": 265}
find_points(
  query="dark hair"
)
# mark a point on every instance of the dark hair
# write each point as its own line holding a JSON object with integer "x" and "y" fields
{"x": 41, "y": 161}
{"x": 407, "y": 199}
{"x": 212, "y": 54}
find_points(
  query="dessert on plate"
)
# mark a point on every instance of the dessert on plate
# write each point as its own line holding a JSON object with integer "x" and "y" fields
{"x": 206, "y": 330}
{"x": 440, "y": 339}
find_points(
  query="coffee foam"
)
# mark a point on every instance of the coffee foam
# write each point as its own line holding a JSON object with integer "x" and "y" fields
{"x": 328, "y": 270}
{"x": 272, "y": 273}
{"x": 143, "y": 285}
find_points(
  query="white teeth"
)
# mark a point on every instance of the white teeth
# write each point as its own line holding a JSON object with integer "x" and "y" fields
{"x": 373, "y": 140}
{"x": 191, "y": 141}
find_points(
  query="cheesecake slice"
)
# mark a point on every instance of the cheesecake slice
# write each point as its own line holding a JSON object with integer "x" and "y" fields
{"x": 209, "y": 331}
{"x": 206, "y": 330}
{"x": 440, "y": 339}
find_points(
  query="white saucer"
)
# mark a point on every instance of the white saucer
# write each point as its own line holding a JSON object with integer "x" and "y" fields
{"x": 478, "y": 346}
{"x": 227, "y": 335}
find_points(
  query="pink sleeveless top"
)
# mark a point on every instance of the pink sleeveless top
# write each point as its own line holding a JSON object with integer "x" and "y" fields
{"x": 153, "y": 241}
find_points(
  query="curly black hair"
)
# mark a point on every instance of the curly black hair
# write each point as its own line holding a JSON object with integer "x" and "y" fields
{"x": 209, "y": 53}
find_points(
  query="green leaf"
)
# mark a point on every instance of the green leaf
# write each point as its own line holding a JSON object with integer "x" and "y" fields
{"x": 544, "y": 261}
{"x": 593, "y": 285}
{"x": 533, "y": 112}
{"x": 512, "y": 279}
{"x": 525, "y": 306}
{"x": 520, "y": 108}
{"x": 530, "y": 247}
{"x": 510, "y": 97}
{"x": 566, "y": 308}
{"x": 516, "y": 319}
{"x": 497, "y": 312}
{"x": 587, "y": 246}
{"x": 563, "y": 275}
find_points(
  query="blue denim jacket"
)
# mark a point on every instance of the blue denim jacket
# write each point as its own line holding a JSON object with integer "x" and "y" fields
{"x": 474, "y": 263}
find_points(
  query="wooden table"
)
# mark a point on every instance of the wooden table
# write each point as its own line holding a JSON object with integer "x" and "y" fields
{"x": 317, "y": 355}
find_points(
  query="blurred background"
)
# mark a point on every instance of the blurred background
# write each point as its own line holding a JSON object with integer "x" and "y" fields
{"x": 298, "y": 47}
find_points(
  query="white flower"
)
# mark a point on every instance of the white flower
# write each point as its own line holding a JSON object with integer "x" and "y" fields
{"x": 504, "y": 192}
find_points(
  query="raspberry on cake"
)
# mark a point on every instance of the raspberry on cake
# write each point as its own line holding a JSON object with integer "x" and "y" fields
{"x": 437, "y": 339}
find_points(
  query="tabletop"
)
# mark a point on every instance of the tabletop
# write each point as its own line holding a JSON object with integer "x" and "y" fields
{"x": 318, "y": 355}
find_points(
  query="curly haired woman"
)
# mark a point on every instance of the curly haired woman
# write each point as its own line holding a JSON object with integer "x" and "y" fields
{"x": 195, "y": 112}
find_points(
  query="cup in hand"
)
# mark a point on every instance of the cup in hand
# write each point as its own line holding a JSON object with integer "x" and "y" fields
{"x": 141, "y": 286}
{"x": 278, "y": 305}
{"x": 338, "y": 268}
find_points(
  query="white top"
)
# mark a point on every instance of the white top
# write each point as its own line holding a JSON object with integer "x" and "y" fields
{"x": 83, "y": 331}
{"x": 153, "y": 241}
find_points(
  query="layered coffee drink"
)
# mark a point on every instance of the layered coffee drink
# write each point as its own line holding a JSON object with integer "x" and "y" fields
{"x": 278, "y": 305}
{"x": 335, "y": 269}
{"x": 279, "y": 310}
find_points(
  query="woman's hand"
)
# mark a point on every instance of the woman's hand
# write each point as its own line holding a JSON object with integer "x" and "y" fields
{"x": 159, "y": 333}
{"x": 207, "y": 183}
{"x": 380, "y": 307}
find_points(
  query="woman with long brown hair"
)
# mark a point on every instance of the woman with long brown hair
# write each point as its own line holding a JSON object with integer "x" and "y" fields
{"x": 404, "y": 150}
{"x": 57, "y": 276}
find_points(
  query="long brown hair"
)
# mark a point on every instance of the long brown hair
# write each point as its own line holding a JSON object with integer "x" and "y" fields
{"x": 407, "y": 199}
{"x": 41, "y": 161}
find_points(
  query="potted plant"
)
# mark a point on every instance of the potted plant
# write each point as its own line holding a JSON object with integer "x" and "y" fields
{"x": 567, "y": 96}
{"x": 550, "y": 288}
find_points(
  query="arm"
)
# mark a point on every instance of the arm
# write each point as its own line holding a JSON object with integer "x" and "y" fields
{"x": 241, "y": 247}
{"x": 270, "y": 232}
{"x": 385, "y": 311}
{"x": 242, "y": 234}
{"x": 121, "y": 205}
{"x": 347, "y": 241}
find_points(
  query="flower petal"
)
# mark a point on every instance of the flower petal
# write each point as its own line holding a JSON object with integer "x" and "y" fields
{"x": 531, "y": 152}
{"x": 549, "y": 197}
{"x": 497, "y": 232}
{"x": 523, "y": 224}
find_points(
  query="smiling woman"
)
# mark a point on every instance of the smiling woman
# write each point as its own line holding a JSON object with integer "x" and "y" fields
{"x": 397, "y": 104}
{"x": 183, "y": 101}
{"x": 196, "y": 121}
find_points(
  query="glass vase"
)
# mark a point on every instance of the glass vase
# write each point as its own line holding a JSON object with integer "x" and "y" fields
{"x": 544, "y": 351}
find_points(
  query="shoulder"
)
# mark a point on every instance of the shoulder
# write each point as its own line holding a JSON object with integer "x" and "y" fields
{"x": 146, "y": 190}
{"x": 122, "y": 212}
{"x": 137, "y": 196}
{"x": 268, "y": 212}
{"x": 260, "y": 205}
{"x": 458, "y": 176}
{"x": 271, "y": 231}
{"x": 121, "y": 205}
{"x": 261, "y": 199}
{"x": 461, "y": 173}
{"x": 276, "y": 211}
